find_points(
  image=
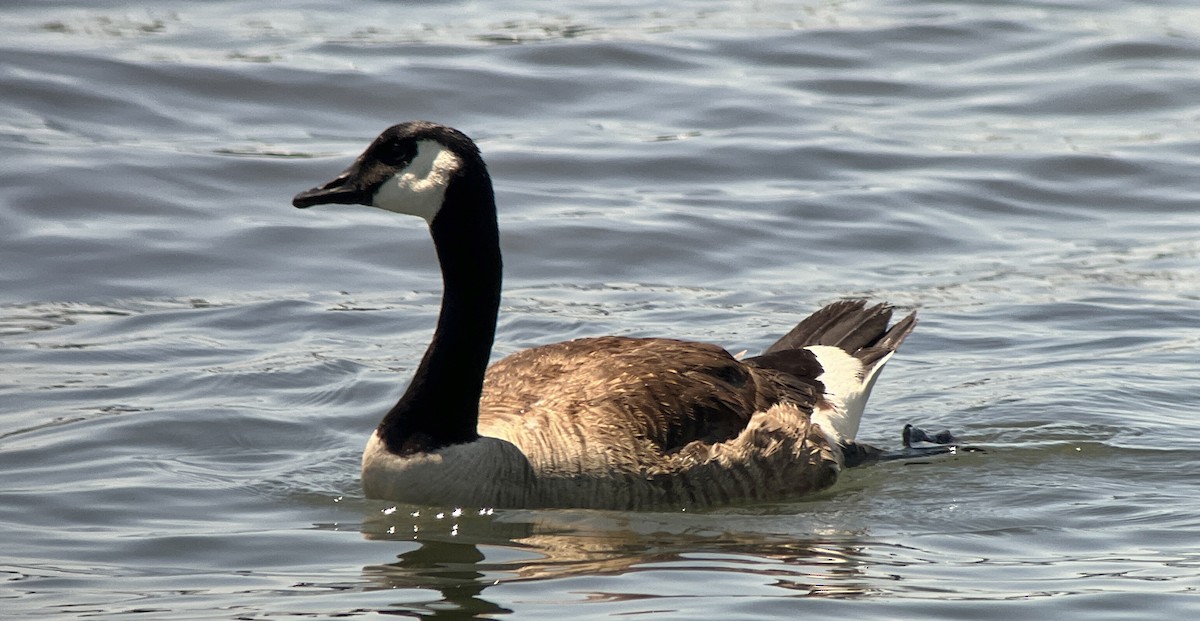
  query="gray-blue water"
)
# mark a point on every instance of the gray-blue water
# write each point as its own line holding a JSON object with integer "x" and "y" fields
{"x": 189, "y": 367}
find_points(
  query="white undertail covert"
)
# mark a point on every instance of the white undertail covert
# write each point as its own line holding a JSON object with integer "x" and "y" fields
{"x": 847, "y": 386}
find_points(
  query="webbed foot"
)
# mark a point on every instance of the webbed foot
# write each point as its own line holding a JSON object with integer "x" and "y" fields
{"x": 912, "y": 434}
{"x": 927, "y": 445}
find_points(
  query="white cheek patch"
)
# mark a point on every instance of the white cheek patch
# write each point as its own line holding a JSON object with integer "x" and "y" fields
{"x": 419, "y": 188}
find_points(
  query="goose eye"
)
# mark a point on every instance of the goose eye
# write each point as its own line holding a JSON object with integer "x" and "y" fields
{"x": 398, "y": 153}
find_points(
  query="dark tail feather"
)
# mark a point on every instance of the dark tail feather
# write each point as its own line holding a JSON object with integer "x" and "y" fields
{"x": 859, "y": 331}
{"x": 889, "y": 342}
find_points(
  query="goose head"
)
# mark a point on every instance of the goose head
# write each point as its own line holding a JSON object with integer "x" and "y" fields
{"x": 409, "y": 169}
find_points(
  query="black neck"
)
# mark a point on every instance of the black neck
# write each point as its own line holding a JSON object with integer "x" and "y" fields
{"x": 441, "y": 405}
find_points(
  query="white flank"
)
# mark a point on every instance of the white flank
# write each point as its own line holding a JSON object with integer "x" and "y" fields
{"x": 419, "y": 188}
{"x": 846, "y": 392}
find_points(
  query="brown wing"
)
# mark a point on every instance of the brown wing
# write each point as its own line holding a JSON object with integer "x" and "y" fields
{"x": 619, "y": 398}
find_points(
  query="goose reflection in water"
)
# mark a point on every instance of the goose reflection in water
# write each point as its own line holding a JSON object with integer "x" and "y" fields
{"x": 460, "y": 556}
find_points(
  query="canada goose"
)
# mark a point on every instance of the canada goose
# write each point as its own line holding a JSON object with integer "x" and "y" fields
{"x": 609, "y": 422}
